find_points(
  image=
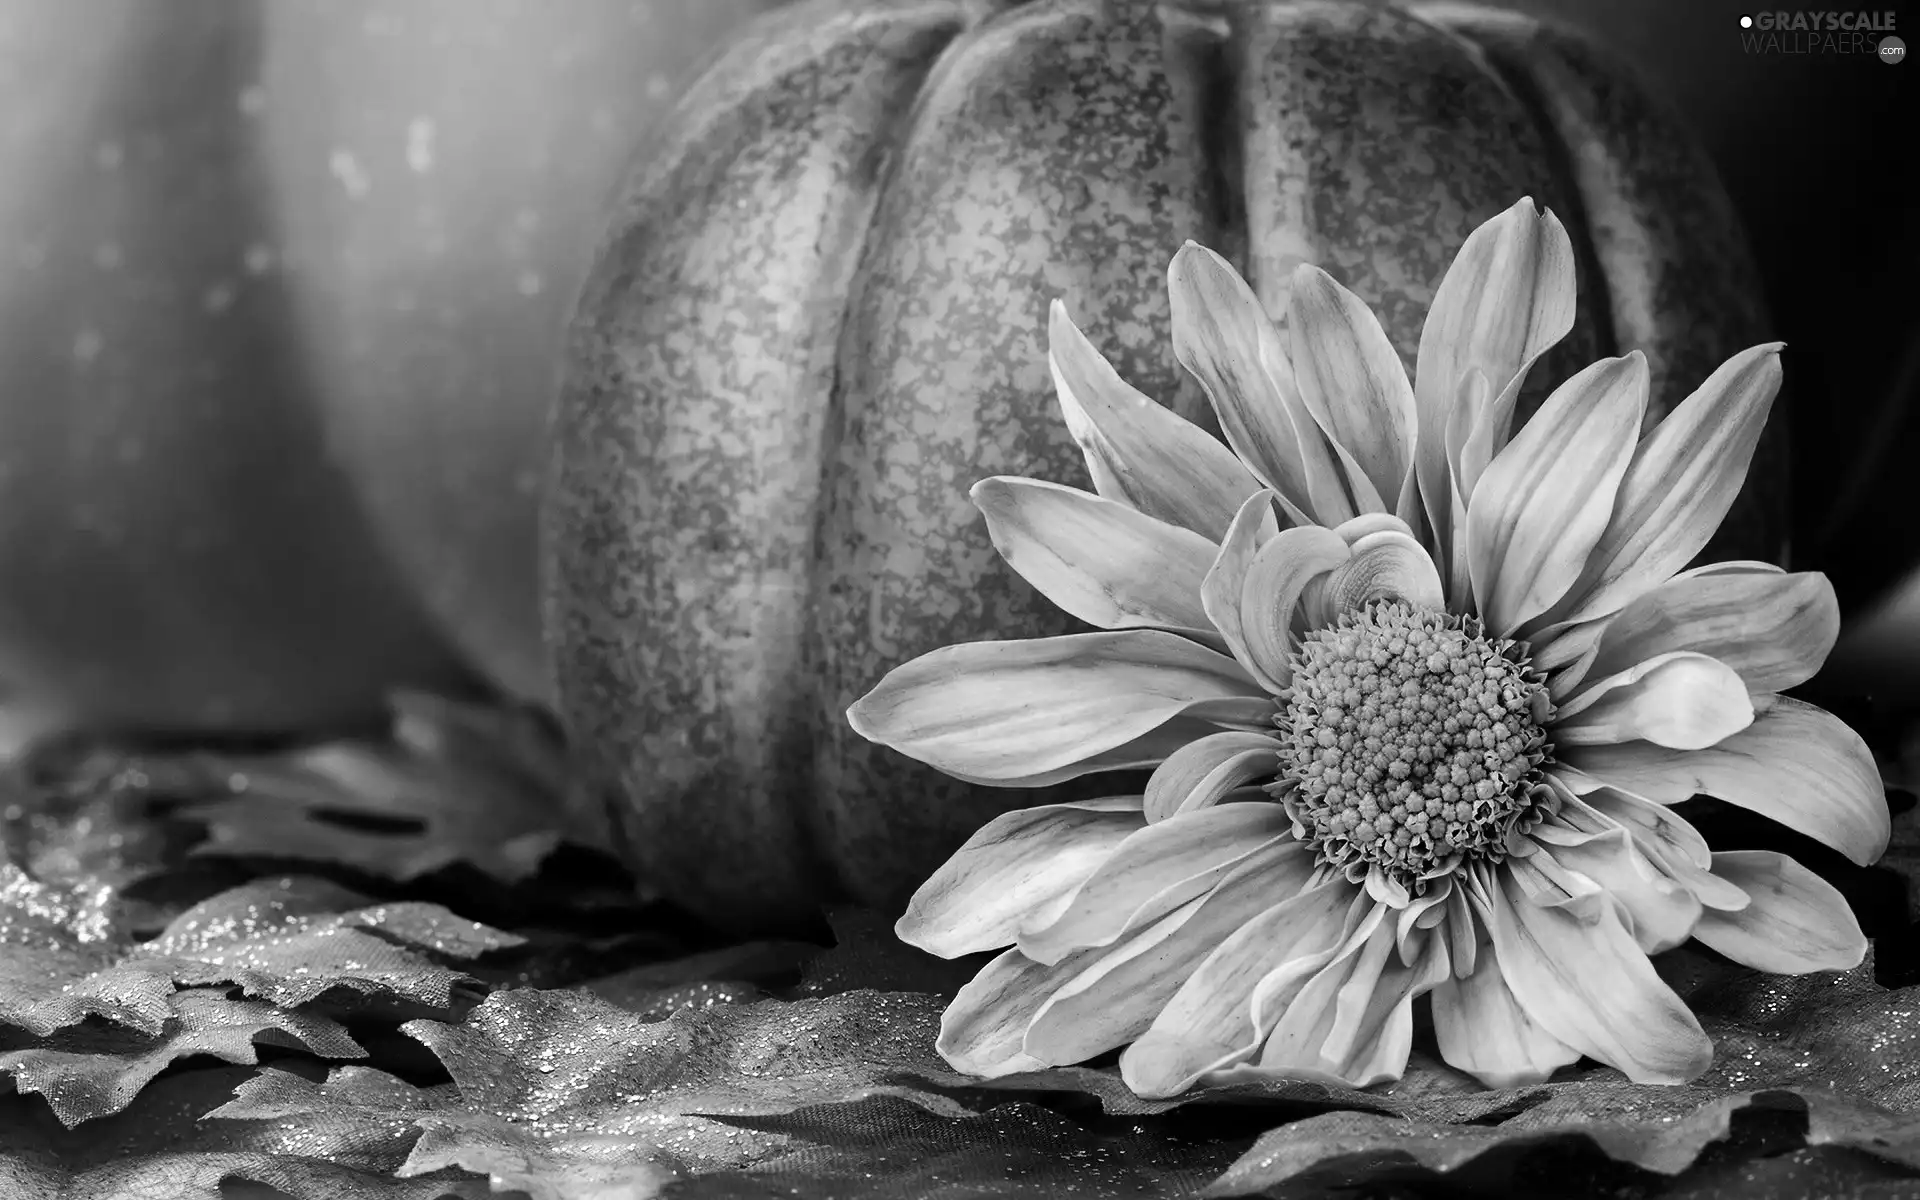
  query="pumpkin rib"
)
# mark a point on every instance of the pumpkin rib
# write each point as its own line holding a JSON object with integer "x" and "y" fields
{"x": 680, "y": 607}
{"x": 1049, "y": 139}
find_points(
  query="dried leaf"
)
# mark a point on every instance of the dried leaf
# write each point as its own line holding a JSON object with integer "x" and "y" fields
{"x": 94, "y": 1069}
{"x": 64, "y": 957}
{"x": 455, "y": 783}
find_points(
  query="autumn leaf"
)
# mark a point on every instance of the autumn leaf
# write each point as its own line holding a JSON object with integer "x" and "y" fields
{"x": 159, "y": 1148}
{"x": 96, "y": 1068}
{"x": 453, "y": 783}
{"x": 63, "y": 956}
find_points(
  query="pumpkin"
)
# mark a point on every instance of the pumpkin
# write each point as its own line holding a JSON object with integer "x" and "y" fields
{"x": 819, "y": 317}
{"x": 281, "y": 289}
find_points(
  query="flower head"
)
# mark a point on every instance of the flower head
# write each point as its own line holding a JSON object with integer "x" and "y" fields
{"x": 1418, "y": 690}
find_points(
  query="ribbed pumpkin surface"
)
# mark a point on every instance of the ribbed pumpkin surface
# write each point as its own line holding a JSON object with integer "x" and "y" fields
{"x": 819, "y": 318}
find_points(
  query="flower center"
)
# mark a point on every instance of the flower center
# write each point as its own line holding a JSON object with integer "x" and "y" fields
{"x": 1411, "y": 741}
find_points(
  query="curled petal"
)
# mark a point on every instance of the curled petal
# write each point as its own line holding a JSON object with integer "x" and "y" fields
{"x": 1155, "y": 870}
{"x": 1138, "y": 451}
{"x": 1220, "y": 590}
{"x": 1371, "y": 523}
{"x": 1385, "y": 565}
{"x": 1226, "y": 340}
{"x": 1507, "y": 298}
{"x": 1796, "y": 764}
{"x": 1208, "y": 1023}
{"x": 1116, "y": 999}
{"x": 1019, "y": 863}
{"x": 1270, "y": 593}
{"x": 1543, "y": 502}
{"x": 1484, "y": 1031}
{"x": 1683, "y": 479}
{"x": 1796, "y": 921}
{"x": 1588, "y": 983}
{"x": 1198, "y": 774}
{"x": 992, "y": 711}
{"x": 1351, "y": 380}
{"x": 1683, "y": 700}
{"x": 984, "y": 1028}
{"x": 1773, "y": 628}
{"x": 1108, "y": 564}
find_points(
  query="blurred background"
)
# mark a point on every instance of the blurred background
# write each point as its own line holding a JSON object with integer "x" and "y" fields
{"x": 282, "y": 286}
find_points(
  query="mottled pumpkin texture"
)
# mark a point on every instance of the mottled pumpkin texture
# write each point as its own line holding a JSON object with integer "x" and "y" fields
{"x": 820, "y": 316}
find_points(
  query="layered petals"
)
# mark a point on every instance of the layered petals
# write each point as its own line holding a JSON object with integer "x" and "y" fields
{"x": 1773, "y": 629}
{"x": 1208, "y": 1024}
{"x": 1138, "y": 451}
{"x": 1352, "y": 1020}
{"x": 1588, "y": 983}
{"x": 984, "y": 1028}
{"x": 1225, "y": 339}
{"x": 1006, "y": 710}
{"x": 1116, "y": 999}
{"x": 1156, "y": 869}
{"x": 1795, "y": 921}
{"x": 1505, "y": 300}
{"x": 1200, "y": 773}
{"x": 1103, "y": 561}
{"x": 1796, "y": 764}
{"x": 1681, "y": 700}
{"x": 1544, "y": 501}
{"x": 1350, "y": 378}
{"x": 1483, "y": 1030}
{"x": 1020, "y": 863}
{"x": 1682, "y": 481}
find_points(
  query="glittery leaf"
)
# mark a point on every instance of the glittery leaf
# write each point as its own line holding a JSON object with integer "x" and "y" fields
{"x": 160, "y": 1149}
{"x": 93, "y": 1069}
{"x": 565, "y": 1092}
{"x": 63, "y": 956}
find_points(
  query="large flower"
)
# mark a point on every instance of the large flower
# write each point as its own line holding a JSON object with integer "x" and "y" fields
{"x": 1418, "y": 691}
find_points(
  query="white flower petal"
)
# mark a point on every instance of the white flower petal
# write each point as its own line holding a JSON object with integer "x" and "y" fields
{"x": 1775, "y": 629}
{"x": 1507, "y": 298}
{"x": 1484, "y": 1031}
{"x": 1200, "y": 773}
{"x": 1683, "y": 700}
{"x": 1543, "y": 502}
{"x": 1796, "y": 922}
{"x": 1155, "y": 870}
{"x": 1116, "y": 999}
{"x": 1208, "y": 1023}
{"x": 1660, "y": 911}
{"x": 985, "y": 1025}
{"x": 1270, "y": 593}
{"x": 1110, "y": 565}
{"x": 1385, "y": 565}
{"x": 1351, "y": 380}
{"x": 1796, "y": 764}
{"x": 1220, "y": 590}
{"x": 1352, "y": 1020}
{"x": 1590, "y": 985}
{"x": 1016, "y": 864}
{"x": 1011, "y": 709}
{"x": 1683, "y": 480}
{"x": 1226, "y": 340}
{"x": 1138, "y": 451}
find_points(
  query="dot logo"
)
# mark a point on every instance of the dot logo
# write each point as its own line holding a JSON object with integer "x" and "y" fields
{"x": 1892, "y": 50}
{"x": 1746, "y": 22}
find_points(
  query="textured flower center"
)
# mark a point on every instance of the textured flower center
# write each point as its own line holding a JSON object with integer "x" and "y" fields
{"x": 1411, "y": 741}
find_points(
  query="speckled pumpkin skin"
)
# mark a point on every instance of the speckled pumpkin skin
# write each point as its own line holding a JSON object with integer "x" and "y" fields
{"x": 819, "y": 318}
